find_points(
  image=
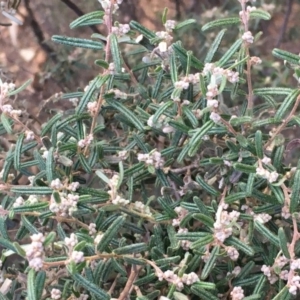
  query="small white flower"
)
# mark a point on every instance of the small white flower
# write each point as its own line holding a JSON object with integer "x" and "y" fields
{"x": 293, "y": 290}
{"x": 71, "y": 241}
{"x": 81, "y": 143}
{"x": 248, "y": 37}
{"x": 73, "y": 186}
{"x": 56, "y": 184}
{"x": 237, "y": 270}
{"x": 74, "y": 101}
{"x": 190, "y": 278}
{"x": 29, "y": 136}
{"x": 260, "y": 171}
{"x": 163, "y": 47}
{"x": 212, "y": 103}
{"x": 284, "y": 275}
{"x": 262, "y": 218}
{"x": 77, "y": 256}
{"x": 170, "y": 25}
{"x": 120, "y": 201}
{"x": 215, "y": 117}
{"x": 32, "y": 199}
{"x": 273, "y": 176}
{"x": 266, "y": 160}
{"x": 19, "y": 202}
{"x": 295, "y": 264}
{"x": 92, "y": 229}
{"x": 237, "y": 293}
{"x": 92, "y": 108}
{"x": 232, "y": 253}
{"x": 55, "y": 294}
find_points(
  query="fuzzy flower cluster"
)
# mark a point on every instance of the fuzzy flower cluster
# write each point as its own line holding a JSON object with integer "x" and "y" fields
{"x": 107, "y": 5}
{"x": 224, "y": 225}
{"x": 285, "y": 212}
{"x": 237, "y": 293}
{"x": 161, "y": 123}
{"x": 9, "y": 110}
{"x": 5, "y": 88}
{"x": 164, "y": 35}
{"x": 181, "y": 212}
{"x": 218, "y": 73}
{"x": 245, "y": 15}
{"x": 123, "y": 154}
{"x": 248, "y": 37}
{"x": 67, "y": 205}
{"x": 19, "y": 202}
{"x": 71, "y": 241}
{"x": 215, "y": 117}
{"x": 262, "y": 218}
{"x": 73, "y": 186}
{"x": 141, "y": 207}
{"x": 185, "y": 244}
{"x": 85, "y": 142}
{"x": 35, "y": 251}
{"x": 10, "y": 176}
{"x": 45, "y": 153}
{"x": 170, "y": 25}
{"x": 116, "y": 199}
{"x": 236, "y": 271}
{"x": 121, "y": 29}
{"x": 232, "y": 253}
{"x": 280, "y": 262}
{"x": 119, "y": 94}
{"x": 269, "y": 272}
{"x": 184, "y": 82}
{"x": 270, "y": 176}
{"x": 75, "y": 256}
{"x": 55, "y": 294}
{"x": 32, "y": 199}
{"x": 56, "y": 184}
{"x": 179, "y": 282}
{"x": 92, "y": 229}
{"x": 153, "y": 158}
{"x": 74, "y": 101}
{"x": 255, "y": 60}
{"x": 289, "y": 274}
{"x": 92, "y": 108}
{"x": 294, "y": 285}
{"x": 29, "y": 135}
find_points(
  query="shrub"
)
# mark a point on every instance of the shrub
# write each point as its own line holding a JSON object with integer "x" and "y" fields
{"x": 154, "y": 188}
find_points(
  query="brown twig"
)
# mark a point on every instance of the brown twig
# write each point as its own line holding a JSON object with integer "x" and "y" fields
{"x": 244, "y": 19}
{"x": 130, "y": 282}
{"x": 36, "y": 28}
{"x": 79, "y": 13}
{"x": 284, "y": 123}
{"x": 285, "y": 22}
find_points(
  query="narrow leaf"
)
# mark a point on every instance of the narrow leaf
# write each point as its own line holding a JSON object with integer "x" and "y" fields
{"x": 115, "y": 52}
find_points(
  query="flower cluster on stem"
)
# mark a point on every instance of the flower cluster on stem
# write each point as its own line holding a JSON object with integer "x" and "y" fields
{"x": 179, "y": 282}
{"x": 35, "y": 251}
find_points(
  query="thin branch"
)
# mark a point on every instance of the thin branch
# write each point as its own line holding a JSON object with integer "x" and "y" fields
{"x": 129, "y": 285}
{"x": 284, "y": 123}
{"x": 285, "y": 22}
{"x": 79, "y": 13}
{"x": 36, "y": 28}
